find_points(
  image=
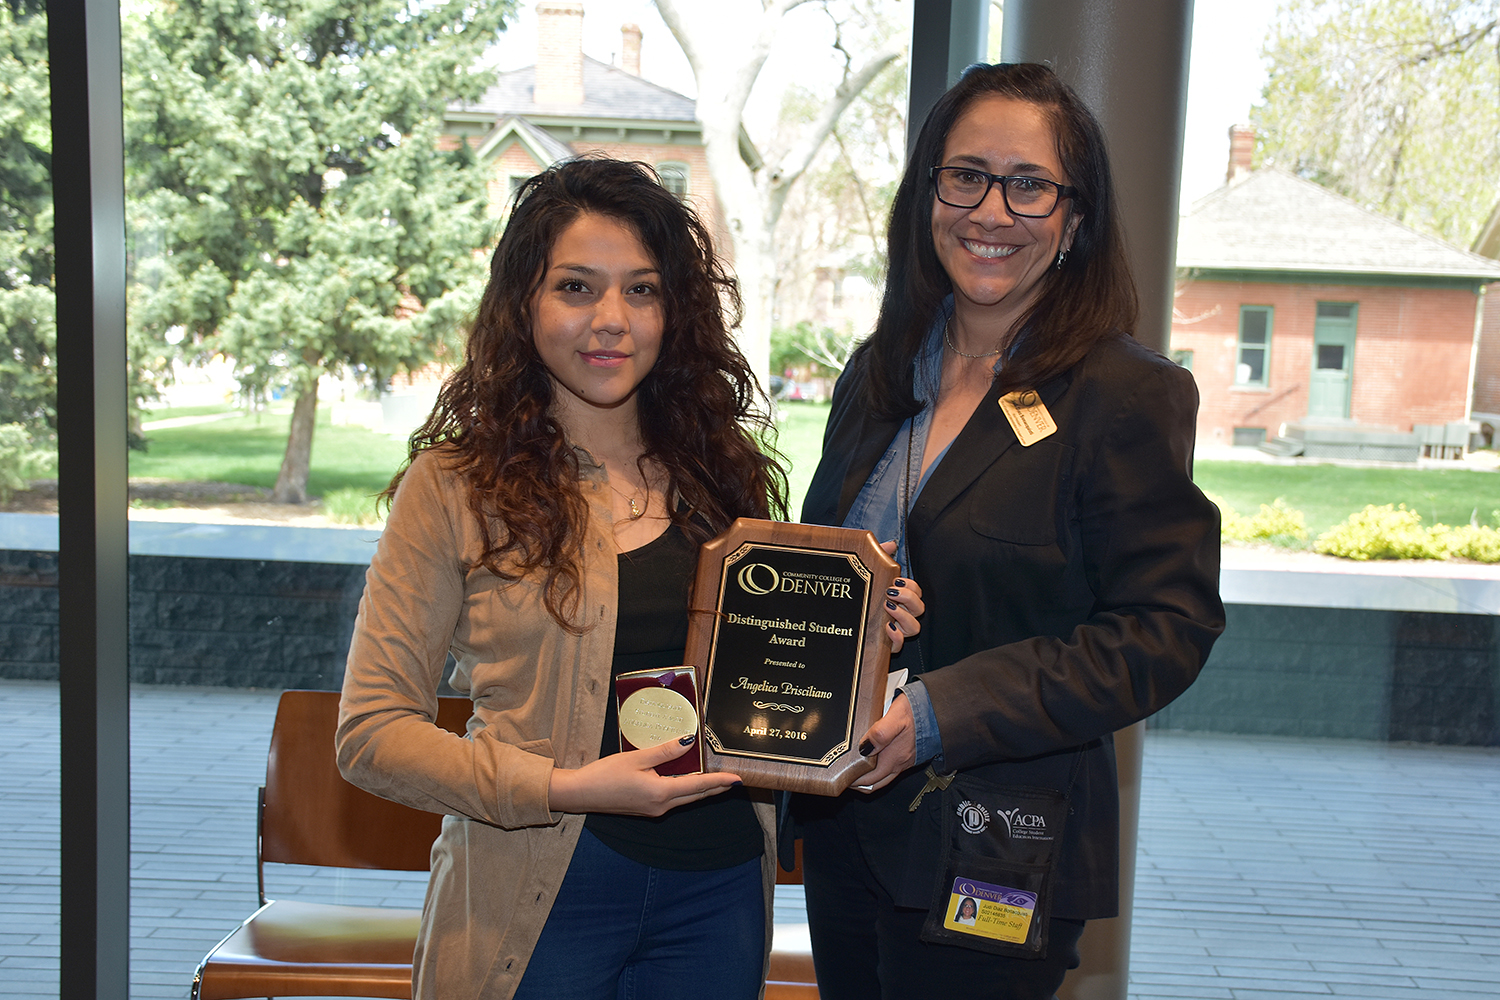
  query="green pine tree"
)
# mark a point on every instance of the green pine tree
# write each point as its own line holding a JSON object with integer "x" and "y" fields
{"x": 289, "y": 205}
{"x": 28, "y": 320}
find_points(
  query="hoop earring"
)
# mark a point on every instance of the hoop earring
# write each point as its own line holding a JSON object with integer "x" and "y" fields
{"x": 1062, "y": 257}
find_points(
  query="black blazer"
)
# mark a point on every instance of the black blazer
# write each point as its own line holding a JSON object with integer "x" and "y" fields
{"x": 1071, "y": 590}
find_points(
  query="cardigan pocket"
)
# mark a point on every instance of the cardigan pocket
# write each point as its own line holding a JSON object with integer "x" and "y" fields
{"x": 1019, "y": 498}
{"x": 542, "y": 748}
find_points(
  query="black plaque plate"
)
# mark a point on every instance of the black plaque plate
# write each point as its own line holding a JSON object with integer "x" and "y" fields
{"x": 787, "y": 628}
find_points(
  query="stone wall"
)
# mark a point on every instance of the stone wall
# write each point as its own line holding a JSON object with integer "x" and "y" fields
{"x": 207, "y": 622}
{"x": 1348, "y": 674}
{"x": 28, "y": 615}
{"x": 1285, "y": 670}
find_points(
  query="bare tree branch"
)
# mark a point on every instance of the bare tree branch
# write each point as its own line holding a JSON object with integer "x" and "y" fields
{"x": 794, "y": 164}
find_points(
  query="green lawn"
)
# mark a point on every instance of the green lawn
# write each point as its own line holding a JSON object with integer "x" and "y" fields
{"x": 248, "y": 450}
{"x": 1327, "y": 494}
{"x": 800, "y": 441}
{"x": 168, "y": 412}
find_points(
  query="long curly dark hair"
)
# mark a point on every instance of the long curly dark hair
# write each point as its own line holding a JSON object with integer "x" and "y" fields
{"x": 1090, "y": 297}
{"x": 700, "y": 409}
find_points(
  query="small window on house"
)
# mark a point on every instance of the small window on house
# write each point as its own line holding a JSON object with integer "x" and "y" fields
{"x": 1249, "y": 437}
{"x": 1253, "y": 353}
{"x": 1183, "y": 358}
{"x": 516, "y": 180}
{"x": 674, "y": 177}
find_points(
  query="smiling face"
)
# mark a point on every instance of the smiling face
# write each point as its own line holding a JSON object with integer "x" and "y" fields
{"x": 996, "y": 260}
{"x": 597, "y": 318}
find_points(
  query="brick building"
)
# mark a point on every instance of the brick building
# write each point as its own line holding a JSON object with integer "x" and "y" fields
{"x": 1486, "y": 409}
{"x": 569, "y": 104}
{"x": 566, "y": 105}
{"x": 1298, "y": 308}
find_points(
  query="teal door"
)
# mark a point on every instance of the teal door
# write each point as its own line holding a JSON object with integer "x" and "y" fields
{"x": 1333, "y": 361}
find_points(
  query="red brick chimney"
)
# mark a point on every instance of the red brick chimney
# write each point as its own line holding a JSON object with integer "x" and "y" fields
{"x": 559, "y": 52}
{"x": 630, "y": 48}
{"x": 1241, "y": 153}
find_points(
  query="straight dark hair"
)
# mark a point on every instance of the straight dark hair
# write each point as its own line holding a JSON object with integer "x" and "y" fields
{"x": 1091, "y": 296}
{"x": 699, "y": 407}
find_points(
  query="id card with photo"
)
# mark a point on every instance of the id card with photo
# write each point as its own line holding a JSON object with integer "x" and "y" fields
{"x": 991, "y": 911}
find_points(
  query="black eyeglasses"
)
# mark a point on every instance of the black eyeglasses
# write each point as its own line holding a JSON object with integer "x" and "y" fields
{"x": 1028, "y": 197}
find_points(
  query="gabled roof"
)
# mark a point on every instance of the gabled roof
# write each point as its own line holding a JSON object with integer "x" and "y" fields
{"x": 542, "y": 147}
{"x": 608, "y": 92}
{"x": 1272, "y": 221}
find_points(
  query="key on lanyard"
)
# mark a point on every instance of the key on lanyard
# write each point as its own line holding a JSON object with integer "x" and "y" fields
{"x": 935, "y": 782}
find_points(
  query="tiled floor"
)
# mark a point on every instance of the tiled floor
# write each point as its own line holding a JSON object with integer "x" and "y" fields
{"x": 1269, "y": 868}
{"x": 1277, "y": 867}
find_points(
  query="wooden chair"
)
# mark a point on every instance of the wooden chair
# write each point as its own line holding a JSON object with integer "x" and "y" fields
{"x": 309, "y": 815}
{"x": 791, "y": 975}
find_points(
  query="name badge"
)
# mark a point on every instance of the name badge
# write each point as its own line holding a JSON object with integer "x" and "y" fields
{"x": 1028, "y": 416}
{"x": 991, "y": 911}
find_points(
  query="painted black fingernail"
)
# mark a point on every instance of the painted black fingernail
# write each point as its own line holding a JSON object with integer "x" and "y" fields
{"x": 738, "y": 784}
{"x": 893, "y": 592}
{"x": 866, "y": 748}
{"x": 687, "y": 740}
{"x": 891, "y": 605}
{"x": 899, "y": 582}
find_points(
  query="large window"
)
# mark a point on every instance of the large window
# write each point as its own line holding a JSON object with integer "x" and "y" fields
{"x": 31, "y": 766}
{"x": 1253, "y": 352}
{"x": 198, "y": 750}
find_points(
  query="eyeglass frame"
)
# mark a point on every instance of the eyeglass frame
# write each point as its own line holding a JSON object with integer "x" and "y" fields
{"x": 1063, "y": 190}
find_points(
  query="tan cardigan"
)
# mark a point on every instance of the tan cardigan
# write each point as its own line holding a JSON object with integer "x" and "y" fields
{"x": 539, "y": 698}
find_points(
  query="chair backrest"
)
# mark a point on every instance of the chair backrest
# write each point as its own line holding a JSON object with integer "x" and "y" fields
{"x": 311, "y": 816}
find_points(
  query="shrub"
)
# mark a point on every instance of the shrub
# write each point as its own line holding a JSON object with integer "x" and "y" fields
{"x": 1476, "y": 542}
{"x": 350, "y": 506}
{"x": 20, "y": 460}
{"x": 1275, "y": 523}
{"x": 1387, "y": 532}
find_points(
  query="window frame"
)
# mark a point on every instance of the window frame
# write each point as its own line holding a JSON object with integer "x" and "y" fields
{"x": 679, "y": 170}
{"x": 1240, "y": 347}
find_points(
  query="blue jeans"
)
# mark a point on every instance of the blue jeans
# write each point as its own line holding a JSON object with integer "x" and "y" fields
{"x": 621, "y": 930}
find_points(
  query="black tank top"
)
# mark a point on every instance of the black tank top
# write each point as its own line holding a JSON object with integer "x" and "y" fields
{"x": 721, "y": 831}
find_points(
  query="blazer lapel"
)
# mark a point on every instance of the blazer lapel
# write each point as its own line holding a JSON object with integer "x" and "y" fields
{"x": 985, "y": 438}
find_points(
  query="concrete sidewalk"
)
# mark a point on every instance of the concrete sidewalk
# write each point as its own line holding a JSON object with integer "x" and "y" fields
{"x": 1269, "y": 867}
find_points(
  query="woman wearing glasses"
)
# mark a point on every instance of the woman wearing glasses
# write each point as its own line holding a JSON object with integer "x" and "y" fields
{"x": 1033, "y": 461}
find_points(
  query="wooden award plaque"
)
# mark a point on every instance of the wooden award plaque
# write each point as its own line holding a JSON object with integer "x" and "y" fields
{"x": 787, "y": 630}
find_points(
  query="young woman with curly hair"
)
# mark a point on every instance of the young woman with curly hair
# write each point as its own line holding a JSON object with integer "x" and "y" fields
{"x": 545, "y": 533}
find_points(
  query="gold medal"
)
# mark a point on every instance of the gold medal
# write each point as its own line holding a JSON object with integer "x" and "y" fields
{"x": 652, "y": 715}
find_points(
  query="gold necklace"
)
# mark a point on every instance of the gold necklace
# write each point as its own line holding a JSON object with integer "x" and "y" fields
{"x": 635, "y": 509}
{"x": 947, "y": 336}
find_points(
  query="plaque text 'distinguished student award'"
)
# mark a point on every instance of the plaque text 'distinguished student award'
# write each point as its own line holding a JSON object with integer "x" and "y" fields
{"x": 786, "y": 625}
